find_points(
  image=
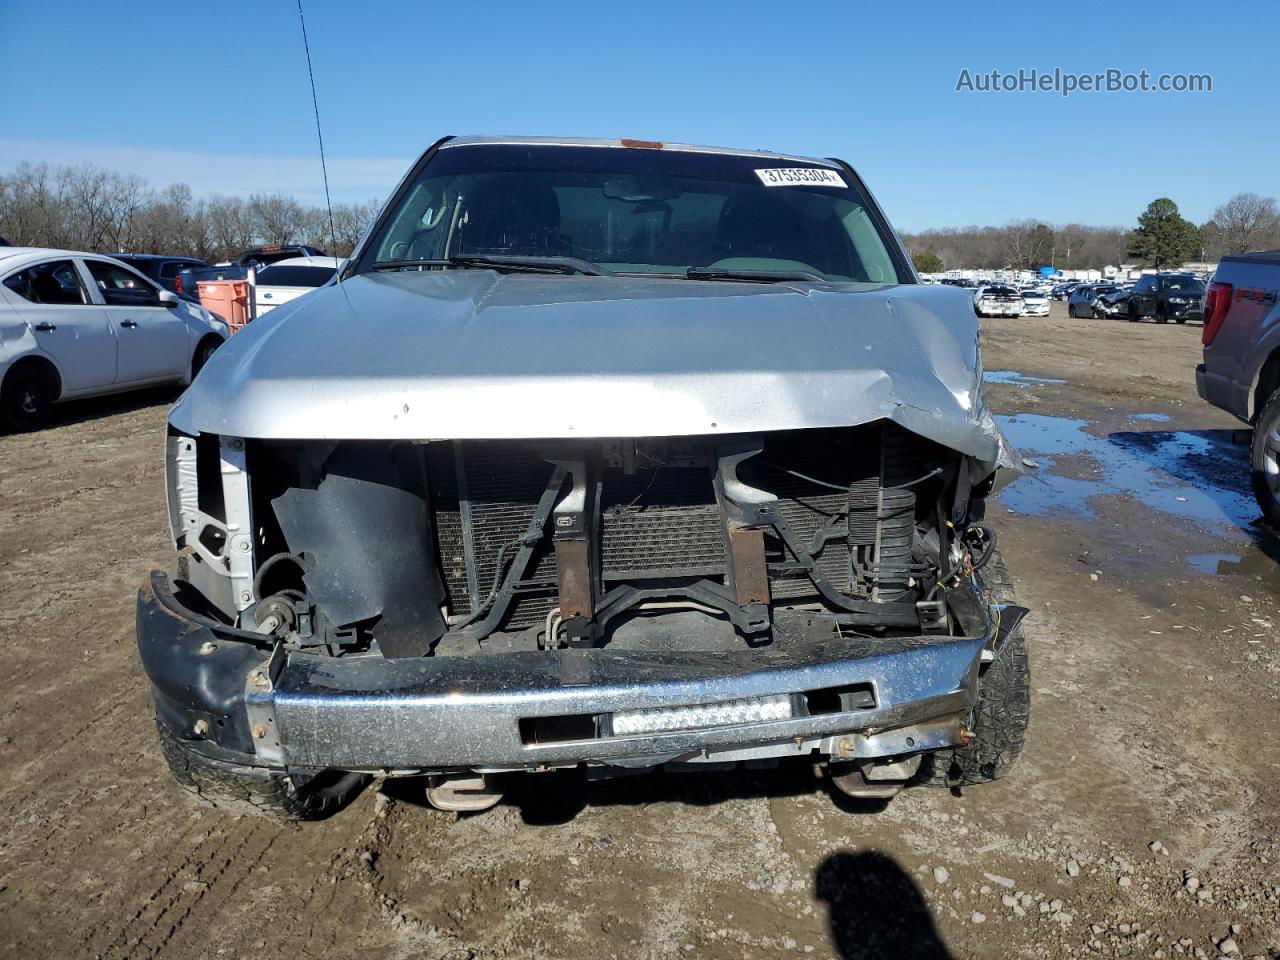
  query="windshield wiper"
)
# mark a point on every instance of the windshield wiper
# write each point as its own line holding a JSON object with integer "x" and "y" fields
{"x": 500, "y": 262}
{"x": 754, "y": 276}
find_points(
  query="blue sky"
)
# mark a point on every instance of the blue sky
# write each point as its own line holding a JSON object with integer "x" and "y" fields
{"x": 216, "y": 95}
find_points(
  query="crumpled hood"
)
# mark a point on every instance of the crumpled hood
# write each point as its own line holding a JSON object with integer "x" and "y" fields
{"x": 472, "y": 354}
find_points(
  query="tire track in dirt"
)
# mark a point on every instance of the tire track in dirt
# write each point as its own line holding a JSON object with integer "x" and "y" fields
{"x": 217, "y": 865}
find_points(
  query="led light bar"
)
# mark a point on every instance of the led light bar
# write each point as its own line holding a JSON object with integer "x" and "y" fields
{"x": 695, "y": 716}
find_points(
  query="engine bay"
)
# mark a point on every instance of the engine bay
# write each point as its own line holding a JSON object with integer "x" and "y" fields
{"x": 446, "y": 547}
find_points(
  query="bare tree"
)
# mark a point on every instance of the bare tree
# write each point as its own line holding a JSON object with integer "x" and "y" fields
{"x": 1070, "y": 239}
{"x": 314, "y": 227}
{"x": 276, "y": 217}
{"x": 350, "y": 221}
{"x": 1025, "y": 244}
{"x": 1028, "y": 243}
{"x": 23, "y": 208}
{"x": 230, "y": 228}
{"x": 1246, "y": 222}
{"x": 173, "y": 222}
{"x": 127, "y": 198}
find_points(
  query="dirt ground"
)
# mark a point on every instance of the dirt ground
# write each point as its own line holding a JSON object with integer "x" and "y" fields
{"x": 1141, "y": 821}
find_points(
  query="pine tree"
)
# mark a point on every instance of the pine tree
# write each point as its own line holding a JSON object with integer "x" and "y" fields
{"x": 1163, "y": 237}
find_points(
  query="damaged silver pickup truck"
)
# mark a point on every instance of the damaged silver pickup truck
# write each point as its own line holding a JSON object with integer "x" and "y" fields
{"x": 608, "y": 455}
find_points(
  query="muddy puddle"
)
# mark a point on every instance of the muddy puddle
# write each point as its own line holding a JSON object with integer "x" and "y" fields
{"x": 1196, "y": 476}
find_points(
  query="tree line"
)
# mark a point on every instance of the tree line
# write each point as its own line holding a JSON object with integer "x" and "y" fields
{"x": 1162, "y": 238}
{"x": 104, "y": 211}
{"x": 90, "y": 208}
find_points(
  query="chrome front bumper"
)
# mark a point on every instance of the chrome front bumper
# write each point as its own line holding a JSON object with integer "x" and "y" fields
{"x": 535, "y": 710}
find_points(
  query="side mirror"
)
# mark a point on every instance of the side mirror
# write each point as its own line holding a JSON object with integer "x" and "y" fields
{"x": 168, "y": 298}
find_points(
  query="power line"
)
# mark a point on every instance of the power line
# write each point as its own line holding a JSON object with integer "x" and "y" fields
{"x": 315, "y": 105}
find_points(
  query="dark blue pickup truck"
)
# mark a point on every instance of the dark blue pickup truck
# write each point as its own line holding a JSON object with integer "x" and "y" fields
{"x": 164, "y": 270}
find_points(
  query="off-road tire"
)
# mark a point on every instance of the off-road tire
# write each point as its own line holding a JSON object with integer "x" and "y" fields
{"x": 26, "y": 398}
{"x": 1000, "y": 718}
{"x": 1268, "y": 422}
{"x": 246, "y": 791}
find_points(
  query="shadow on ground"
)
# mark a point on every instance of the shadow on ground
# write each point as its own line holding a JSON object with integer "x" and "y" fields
{"x": 875, "y": 909}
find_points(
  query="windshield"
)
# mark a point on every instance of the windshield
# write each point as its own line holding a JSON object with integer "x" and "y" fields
{"x": 1185, "y": 284}
{"x": 294, "y": 276}
{"x": 636, "y": 211}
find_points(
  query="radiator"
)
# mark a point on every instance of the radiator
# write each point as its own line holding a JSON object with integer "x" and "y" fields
{"x": 664, "y": 523}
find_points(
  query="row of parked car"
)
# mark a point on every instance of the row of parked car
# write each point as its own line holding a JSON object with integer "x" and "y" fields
{"x": 1001, "y": 300}
{"x": 76, "y": 324}
{"x": 280, "y": 272}
{"x": 1163, "y": 297}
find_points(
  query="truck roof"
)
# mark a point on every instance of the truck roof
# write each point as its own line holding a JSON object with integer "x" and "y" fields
{"x": 472, "y": 140}
{"x": 1262, "y": 256}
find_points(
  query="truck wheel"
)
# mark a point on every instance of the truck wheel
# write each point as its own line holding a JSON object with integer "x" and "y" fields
{"x": 1000, "y": 718}
{"x": 1264, "y": 460}
{"x": 256, "y": 791}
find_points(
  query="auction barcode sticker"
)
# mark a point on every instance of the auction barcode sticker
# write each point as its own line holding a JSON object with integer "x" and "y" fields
{"x": 800, "y": 177}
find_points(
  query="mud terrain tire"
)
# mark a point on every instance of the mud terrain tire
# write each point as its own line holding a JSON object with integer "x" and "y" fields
{"x": 245, "y": 791}
{"x": 1004, "y": 705}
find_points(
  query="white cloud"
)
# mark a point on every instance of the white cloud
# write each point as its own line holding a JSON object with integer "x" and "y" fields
{"x": 351, "y": 179}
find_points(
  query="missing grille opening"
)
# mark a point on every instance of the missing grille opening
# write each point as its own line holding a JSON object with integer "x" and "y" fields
{"x": 858, "y": 696}
{"x": 565, "y": 729}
